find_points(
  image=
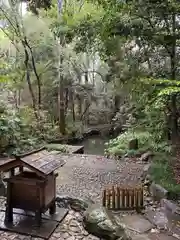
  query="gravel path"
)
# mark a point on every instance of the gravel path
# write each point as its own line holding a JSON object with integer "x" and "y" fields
{"x": 87, "y": 175}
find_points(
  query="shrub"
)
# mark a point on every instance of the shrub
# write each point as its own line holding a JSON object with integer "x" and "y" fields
{"x": 162, "y": 173}
{"x": 146, "y": 141}
{"x": 56, "y": 147}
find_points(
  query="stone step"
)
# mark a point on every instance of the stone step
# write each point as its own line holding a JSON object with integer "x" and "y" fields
{"x": 153, "y": 236}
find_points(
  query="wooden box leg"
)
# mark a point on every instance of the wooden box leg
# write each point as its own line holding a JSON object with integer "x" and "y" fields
{"x": 9, "y": 209}
{"x": 9, "y": 214}
{"x": 52, "y": 208}
{"x": 38, "y": 217}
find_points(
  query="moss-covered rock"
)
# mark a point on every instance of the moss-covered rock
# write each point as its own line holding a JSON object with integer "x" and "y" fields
{"x": 101, "y": 223}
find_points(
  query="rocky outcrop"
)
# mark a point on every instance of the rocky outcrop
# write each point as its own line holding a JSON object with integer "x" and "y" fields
{"x": 101, "y": 223}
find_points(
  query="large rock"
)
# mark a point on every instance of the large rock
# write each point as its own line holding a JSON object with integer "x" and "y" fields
{"x": 145, "y": 157}
{"x": 101, "y": 223}
{"x": 146, "y": 171}
{"x": 158, "y": 192}
{"x": 76, "y": 204}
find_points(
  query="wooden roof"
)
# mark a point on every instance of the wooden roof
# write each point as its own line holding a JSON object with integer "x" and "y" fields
{"x": 42, "y": 162}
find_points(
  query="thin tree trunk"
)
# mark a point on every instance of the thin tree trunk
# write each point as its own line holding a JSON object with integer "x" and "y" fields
{"x": 61, "y": 107}
{"x": 26, "y": 63}
{"x": 86, "y": 103}
{"x": 35, "y": 72}
{"x": 71, "y": 102}
{"x": 173, "y": 101}
{"x": 19, "y": 97}
{"x": 79, "y": 103}
{"x": 66, "y": 101}
{"x": 79, "y": 100}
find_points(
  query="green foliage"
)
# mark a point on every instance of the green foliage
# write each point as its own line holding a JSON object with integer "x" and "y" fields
{"x": 15, "y": 135}
{"x": 56, "y": 147}
{"x": 162, "y": 173}
{"x": 146, "y": 141}
{"x": 20, "y": 132}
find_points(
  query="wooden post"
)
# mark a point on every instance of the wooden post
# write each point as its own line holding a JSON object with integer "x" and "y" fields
{"x": 9, "y": 209}
{"x": 118, "y": 198}
{"x": 104, "y": 198}
{"x": 123, "y": 198}
{"x": 52, "y": 208}
{"x": 128, "y": 198}
{"x": 21, "y": 169}
{"x": 12, "y": 172}
{"x": 113, "y": 197}
{"x": 108, "y": 198}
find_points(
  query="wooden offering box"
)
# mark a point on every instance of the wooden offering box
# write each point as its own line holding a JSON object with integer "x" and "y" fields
{"x": 33, "y": 187}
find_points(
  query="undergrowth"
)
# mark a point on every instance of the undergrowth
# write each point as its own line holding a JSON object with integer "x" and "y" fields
{"x": 162, "y": 162}
{"x": 146, "y": 141}
{"x": 162, "y": 173}
{"x": 56, "y": 147}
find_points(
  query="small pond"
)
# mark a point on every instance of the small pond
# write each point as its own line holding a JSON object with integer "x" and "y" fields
{"x": 94, "y": 144}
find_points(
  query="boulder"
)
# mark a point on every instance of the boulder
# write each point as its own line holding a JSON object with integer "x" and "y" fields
{"x": 76, "y": 204}
{"x": 145, "y": 157}
{"x": 158, "y": 192}
{"x": 146, "y": 171}
{"x": 101, "y": 223}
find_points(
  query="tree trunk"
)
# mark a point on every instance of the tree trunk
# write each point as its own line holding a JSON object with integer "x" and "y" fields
{"x": 26, "y": 63}
{"x": 173, "y": 102}
{"x": 66, "y": 101}
{"x": 79, "y": 103}
{"x": 71, "y": 102}
{"x": 62, "y": 125}
{"x": 61, "y": 104}
{"x": 86, "y": 103}
{"x": 79, "y": 100}
{"x": 35, "y": 72}
{"x": 19, "y": 97}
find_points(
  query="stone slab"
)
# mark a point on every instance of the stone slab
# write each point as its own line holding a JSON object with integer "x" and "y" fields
{"x": 153, "y": 236}
{"x": 137, "y": 223}
{"x": 160, "y": 236}
{"x": 140, "y": 237}
{"x": 157, "y": 218}
{"x": 26, "y": 225}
